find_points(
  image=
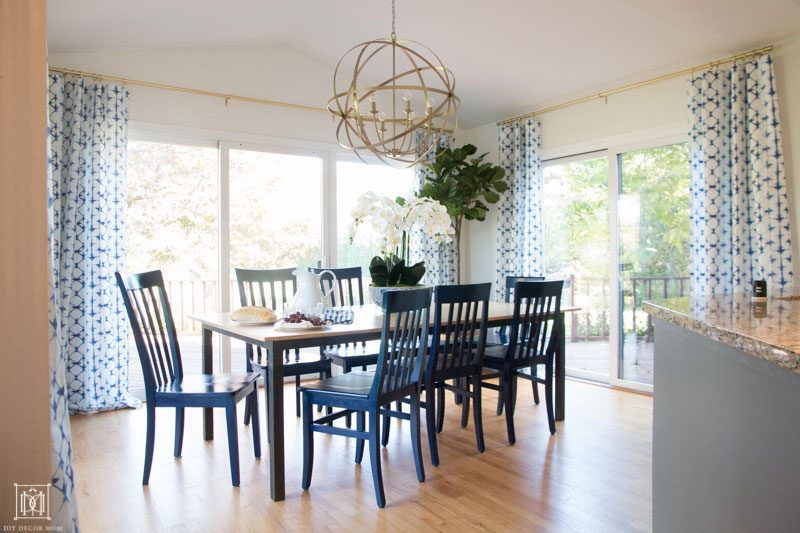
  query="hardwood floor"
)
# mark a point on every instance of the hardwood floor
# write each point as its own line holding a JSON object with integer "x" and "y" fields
{"x": 593, "y": 475}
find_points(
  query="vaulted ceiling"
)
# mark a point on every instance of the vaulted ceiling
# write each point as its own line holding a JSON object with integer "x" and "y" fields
{"x": 508, "y": 56}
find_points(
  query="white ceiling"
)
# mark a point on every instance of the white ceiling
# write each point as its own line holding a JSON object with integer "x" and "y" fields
{"x": 508, "y": 56}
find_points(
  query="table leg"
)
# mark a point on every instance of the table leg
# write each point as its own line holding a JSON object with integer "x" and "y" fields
{"x": 560, "y": 370}
{"x": 208, "y": 368}
{"x": 277, "y": 482}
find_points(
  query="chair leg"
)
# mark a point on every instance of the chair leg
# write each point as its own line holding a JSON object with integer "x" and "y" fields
{"x": 247, "y": 409}
{"x": 179, "y": 411}
{"x": 348, "y": 420}
{"x": 360, "y": 420}
{"x": 149, "y": 443}
{"x": 233, "y": 442}
{"x": 297, "y": 396}
{"x": 386, "y": 425}
{"x": 464, "y": 406}
{"x": 514, "y": 389}
{"x": 439, "y": 407}
{"x": 375, "y": 456}
{"x": 477, "y": 414}
{"x": 416, "y": 442}
{"x": 457, "y": 396}
{"x": 534, "y": 386}
{"x": 501, "y": 398}
{"x": 328, "y": 408}
{"x": 548, "y": 397}
{"x": 249, "y": 368}
{"x": 509, "y": 406}
{"x": 308, "y": 443}
{"x": 430, "y": 423}
{"x": 253, "y": 397}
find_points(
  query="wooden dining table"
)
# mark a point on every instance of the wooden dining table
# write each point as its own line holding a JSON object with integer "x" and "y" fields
{"x": 366, "y": 326}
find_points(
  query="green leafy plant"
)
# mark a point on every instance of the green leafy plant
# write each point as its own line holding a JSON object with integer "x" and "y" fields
{"x": 392, "y": 271}
{"x": 465, "y": 185}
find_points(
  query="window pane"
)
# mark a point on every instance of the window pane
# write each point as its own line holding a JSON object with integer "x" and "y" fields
{"x": 353, "y": 179}
{"x": 576, "y": 248}
{"x": 275, "y": 210}
{"x": 171, "y": 225}
{"x": 275, "y": 218}
{"x": 654, "y": 245}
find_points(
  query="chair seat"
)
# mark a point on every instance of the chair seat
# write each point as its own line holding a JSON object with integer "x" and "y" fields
{"x": 353, "y": 349}
{"x": 357, "y": 383}
{"x": 494, "y": 356}
{"x": 208, "y": 384}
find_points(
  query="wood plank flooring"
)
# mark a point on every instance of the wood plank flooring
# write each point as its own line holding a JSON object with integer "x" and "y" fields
{"x": 594, "y": 475}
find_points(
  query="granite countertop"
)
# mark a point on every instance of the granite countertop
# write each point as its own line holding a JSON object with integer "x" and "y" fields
{"x": 767, "y": 330}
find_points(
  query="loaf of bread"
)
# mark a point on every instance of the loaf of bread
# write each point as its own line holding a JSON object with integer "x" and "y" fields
{"x": 253, "y": 314}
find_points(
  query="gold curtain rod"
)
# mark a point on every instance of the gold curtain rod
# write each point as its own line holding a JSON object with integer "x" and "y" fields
{"x": 605, "y": 94}
{"x": 177, "y": 88}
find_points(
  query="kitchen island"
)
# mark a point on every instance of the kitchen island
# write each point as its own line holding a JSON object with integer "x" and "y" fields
{"x": 726, "y": 414}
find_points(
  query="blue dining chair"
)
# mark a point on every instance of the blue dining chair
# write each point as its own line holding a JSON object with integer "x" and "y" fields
{"x": 532, "y": 342}
{"x": 404, "y": 337}
{"x": 273, "y": 288}
{"x": 165, "y": 384}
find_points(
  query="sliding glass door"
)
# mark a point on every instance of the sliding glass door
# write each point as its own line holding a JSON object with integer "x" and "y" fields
{"x": 617, "y": 231}
{"x": 653, "y": 229}
{"x": 577, "y": 250}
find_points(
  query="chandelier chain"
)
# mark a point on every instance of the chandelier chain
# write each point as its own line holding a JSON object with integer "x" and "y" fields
{"x": 394, "y": 35}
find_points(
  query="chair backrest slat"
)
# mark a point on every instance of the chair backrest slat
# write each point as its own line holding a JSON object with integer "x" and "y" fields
{"x": 537, "y": 308}
{"x": 346, "y": 278}
{"x": 150, "y": 316}
{"x": 459, "y": 330}
{"x": 264, "y": 288}
{"x": 404, "y": 338}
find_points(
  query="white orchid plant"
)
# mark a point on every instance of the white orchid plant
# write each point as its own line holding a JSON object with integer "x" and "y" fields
{"x": 387, "y": 223}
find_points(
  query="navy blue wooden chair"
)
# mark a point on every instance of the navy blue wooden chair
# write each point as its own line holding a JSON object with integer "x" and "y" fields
{"x": 349, "y": 290}
{"x": 404, "y": 337}
{"x": 532, "y": 342}
{"x": 273, "y": 288}
{"x": 503, "y": 335}
{"x": 456, "y": 353}
{"x": 165, "y": 384}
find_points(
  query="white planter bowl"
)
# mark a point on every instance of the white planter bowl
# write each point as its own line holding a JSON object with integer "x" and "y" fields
{"x": 376, "y": 293}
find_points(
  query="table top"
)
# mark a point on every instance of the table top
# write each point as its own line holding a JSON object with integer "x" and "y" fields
{"x": 367, "y": 319}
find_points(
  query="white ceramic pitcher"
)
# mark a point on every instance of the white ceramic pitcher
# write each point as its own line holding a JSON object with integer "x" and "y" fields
{"x": 309, "y": 295}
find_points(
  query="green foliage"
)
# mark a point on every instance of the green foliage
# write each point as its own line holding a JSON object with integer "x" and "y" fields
{"x": 392, "y": 272}
{"x": 463, "y": 184}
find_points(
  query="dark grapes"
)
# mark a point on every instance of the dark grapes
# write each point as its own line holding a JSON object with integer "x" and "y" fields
{"x": 297, "y": 317}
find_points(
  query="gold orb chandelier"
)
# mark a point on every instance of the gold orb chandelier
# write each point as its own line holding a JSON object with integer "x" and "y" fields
{"x": 403, "y": 117}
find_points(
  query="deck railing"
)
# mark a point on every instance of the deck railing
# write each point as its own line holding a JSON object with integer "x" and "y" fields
{"x": 189, "y": 296}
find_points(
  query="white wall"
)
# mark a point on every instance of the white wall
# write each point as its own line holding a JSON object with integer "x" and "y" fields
{"x": 272, "y": 72}
{"x": 654, "y": 111}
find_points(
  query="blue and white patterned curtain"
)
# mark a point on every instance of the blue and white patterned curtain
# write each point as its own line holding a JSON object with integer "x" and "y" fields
{"x": 63, "y": 506}
{"x": 440, "y": 259}
{"x": 520, "y": 219}
{"x": 88, "y": 126}
{"x": 740, "y": 210}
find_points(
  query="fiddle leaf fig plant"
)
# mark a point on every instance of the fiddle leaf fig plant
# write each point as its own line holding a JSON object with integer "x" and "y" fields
{"x": 466, "y": 185}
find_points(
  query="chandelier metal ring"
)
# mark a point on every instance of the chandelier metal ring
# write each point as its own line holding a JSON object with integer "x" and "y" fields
{"x": 384, "y": 118}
